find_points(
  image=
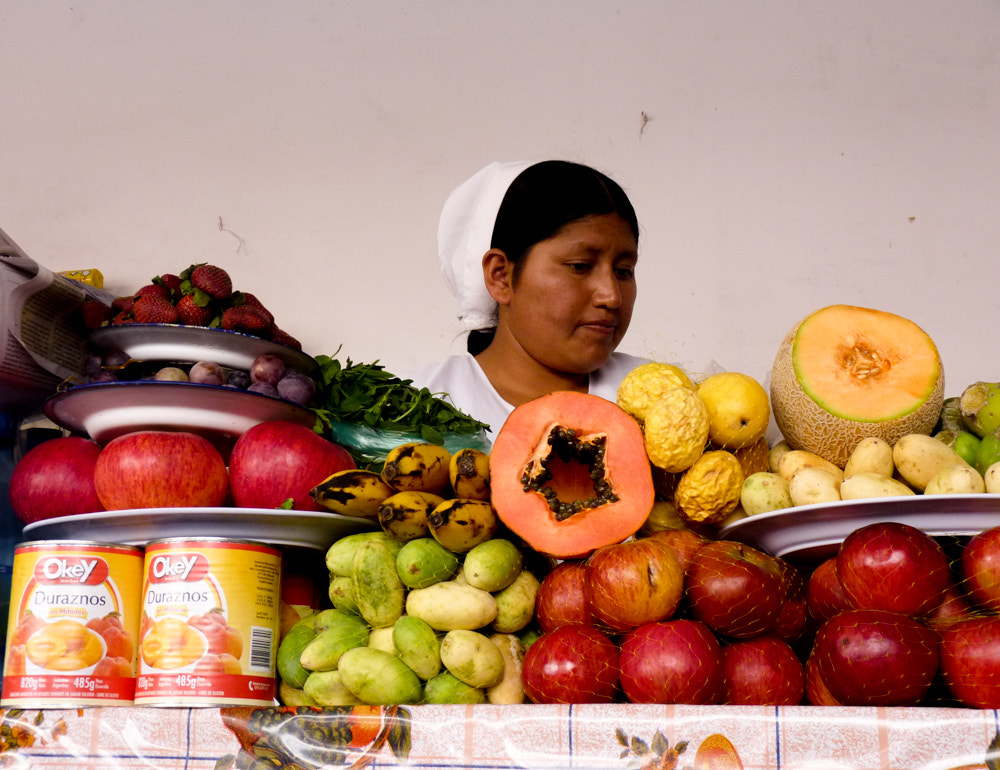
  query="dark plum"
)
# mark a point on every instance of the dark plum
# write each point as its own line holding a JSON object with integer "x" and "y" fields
{"x": 264, "y": 388}
{"x": 297, "y": 387}
{"x": 237, "y": 378}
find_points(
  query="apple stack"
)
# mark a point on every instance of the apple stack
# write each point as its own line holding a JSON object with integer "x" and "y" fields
{"x": 670, "y": 618}
{"x": 900, "y": 620}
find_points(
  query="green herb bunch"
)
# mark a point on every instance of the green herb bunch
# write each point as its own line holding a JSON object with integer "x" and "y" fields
{"x": 368, "y": 395}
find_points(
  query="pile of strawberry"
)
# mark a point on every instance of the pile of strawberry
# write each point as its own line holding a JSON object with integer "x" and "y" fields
{"x": 201, "y": 295}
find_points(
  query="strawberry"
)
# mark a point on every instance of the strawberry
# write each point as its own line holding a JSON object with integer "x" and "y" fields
{"x": 123, "y": 304}
{"x": 245, "y": 319}
{"x": 154, "y": 310}
{"x": 250, "y": 300}
{"x": 212, "y": 280}
{"x": 191, "y": 313}
{"x": 171, "y": 282}
{"x": 153, "y": 290}
{"x": 284, "y": 338}
{"x": 95, "y": 314}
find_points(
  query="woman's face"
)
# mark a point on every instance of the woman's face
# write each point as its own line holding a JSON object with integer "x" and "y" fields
{"x": 572, "y": 301}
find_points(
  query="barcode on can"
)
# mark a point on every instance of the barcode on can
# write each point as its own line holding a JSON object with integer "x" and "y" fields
{"x": 261, "y": 638}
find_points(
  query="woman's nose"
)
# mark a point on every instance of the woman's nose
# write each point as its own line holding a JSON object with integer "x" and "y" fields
{"x": 607, "y": 292}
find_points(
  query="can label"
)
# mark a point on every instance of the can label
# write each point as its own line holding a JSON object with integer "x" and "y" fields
{"x": 73, "y": 625}
{"x": 209, "y": 626}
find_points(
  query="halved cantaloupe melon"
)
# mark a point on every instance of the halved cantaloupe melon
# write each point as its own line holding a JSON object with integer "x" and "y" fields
{"x": 845, "y": 373}
{"x": 569, "y": 474}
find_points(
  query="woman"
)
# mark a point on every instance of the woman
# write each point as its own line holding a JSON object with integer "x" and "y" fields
{"x": 541, "y": 257}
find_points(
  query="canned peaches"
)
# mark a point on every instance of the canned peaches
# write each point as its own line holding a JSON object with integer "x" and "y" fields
{"x": 73, "y": 624}
{"x": 209, "y": 623}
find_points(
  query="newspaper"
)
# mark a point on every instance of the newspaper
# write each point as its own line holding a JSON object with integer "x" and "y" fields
{"x": 43, "y": 340}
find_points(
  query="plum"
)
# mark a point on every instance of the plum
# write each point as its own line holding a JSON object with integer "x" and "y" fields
{"x": 297, "y": 387}
{"x": 268, "y": 368}
{"x": 207, "y": 373}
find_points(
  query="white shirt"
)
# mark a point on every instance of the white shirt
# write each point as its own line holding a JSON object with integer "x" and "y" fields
{"x": 468, "y": 388}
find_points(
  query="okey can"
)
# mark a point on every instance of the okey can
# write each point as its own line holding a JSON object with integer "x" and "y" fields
{"x": 73, "y": 624}
{"x": 209, "y": 623}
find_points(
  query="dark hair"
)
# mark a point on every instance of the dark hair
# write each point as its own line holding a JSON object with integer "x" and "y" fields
{"x": 542, "y": 200}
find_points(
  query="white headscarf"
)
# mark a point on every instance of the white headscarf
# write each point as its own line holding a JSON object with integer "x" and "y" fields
{"x": 464, "y": 235}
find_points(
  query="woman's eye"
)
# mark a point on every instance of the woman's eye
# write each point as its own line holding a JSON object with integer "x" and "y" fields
{"x": 579, "y": 267}
{"x": 625, "y": 273}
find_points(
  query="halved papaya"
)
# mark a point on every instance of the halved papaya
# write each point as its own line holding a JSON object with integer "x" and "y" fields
{"x": 570, "y": 474}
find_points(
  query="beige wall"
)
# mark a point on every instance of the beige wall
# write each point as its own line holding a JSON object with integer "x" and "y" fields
{"x": 792, "y": 155}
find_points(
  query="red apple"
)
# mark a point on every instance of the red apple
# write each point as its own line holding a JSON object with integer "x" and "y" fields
{"x": 685, "y": 543}
{"x": 632, "y": 583}
{"x": 573, "y": 664}
{"x": 825, "y": 596}
{"x": 278, "y": 460}
{"x": 734, "y": 589}
{"x": 673, "y": 661}
{"x": 953, "y": 608}
{"x": 876, "y": 658}
{"x": 561, "y": 599}
{"x": 55, "y": 478}
{"x": 763, "y": 671}
{"x": 980, "y": 566}
{"x": 160, "y": 469}
{"x": 970, "y": 661}
{"x": 893, "y": 566}
{"x": 817, "y": 693}
{"x": 793, "y": 620}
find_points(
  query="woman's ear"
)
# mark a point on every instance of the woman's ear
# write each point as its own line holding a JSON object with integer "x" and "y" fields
{"x": 498, "y": 273}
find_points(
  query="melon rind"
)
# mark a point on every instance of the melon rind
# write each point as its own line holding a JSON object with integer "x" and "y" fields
{"x": 807, "y": 425}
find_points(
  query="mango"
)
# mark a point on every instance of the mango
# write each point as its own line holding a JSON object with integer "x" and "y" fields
{"x": 340, "y": 555}
{"x": 424, "y": 562}
{"x": 956, "y": 480}
{"x": 290, "y": 669}
{"x": 293, "y": 696}
{"x": 492, "y": 565}
{"x": 872, "y": 454}
{"x": 379, "y": 678}
{"x": 378, "y": 591}
{"x": 516, "y": 603}
{"x": 764, "y": 491}
{"x": 326, "y": 688}
{"x": 447, "y": 688}
{"x": 341, "y": 594}
{"x": 381, "y": 639}
{"x": 451, "y": 605}
{"x": 418, "y": 646}
{"x": 509, "y": 689}
{"x": 344, "y": 632}
{"x": 919, "y": 457}
{"x": 472, "y": 658}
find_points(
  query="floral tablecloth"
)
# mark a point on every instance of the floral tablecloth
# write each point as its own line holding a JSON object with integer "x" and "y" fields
{"x": 502, "y": 737}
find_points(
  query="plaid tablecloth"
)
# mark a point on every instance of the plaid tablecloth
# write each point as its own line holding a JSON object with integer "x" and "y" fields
{"x": 503, "y": 737}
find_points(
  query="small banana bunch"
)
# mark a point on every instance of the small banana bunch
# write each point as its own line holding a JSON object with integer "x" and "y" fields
{"x": 422, "y": 489}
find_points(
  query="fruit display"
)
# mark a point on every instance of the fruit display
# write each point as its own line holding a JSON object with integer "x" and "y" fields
{"x": 585, "y": 556}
